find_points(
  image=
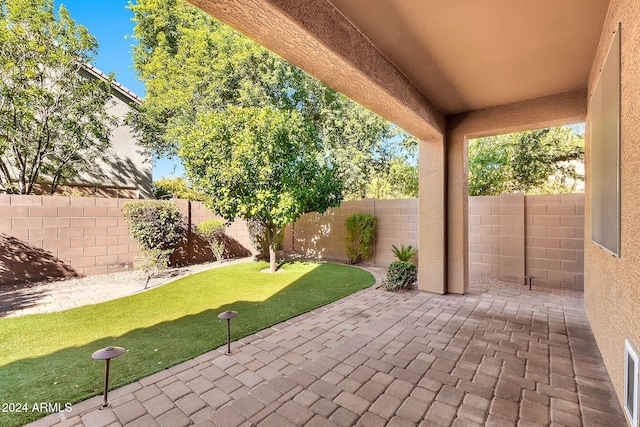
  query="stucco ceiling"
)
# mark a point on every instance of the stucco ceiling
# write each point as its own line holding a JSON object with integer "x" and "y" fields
{"x": 416, "y": 62}
{"x": 465, "y": 55}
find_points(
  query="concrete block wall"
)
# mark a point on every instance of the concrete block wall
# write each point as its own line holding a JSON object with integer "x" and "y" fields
{"x": 496, "y": 236}
{"x": 237, "y": 241}
{"x": 512, "y": 251}
{"x": 48, "y": 237}
{"x": 510, "y": 236}
{"x": 44, "y": 237}
{"x": 513, "y": 235}
{"x": 323, "y": 236}
{"x": 484, "y": 236}
{"x": 555, "y": 239}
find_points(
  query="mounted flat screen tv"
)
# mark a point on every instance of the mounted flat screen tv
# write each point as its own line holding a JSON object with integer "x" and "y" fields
{"x": 605, "y": 153}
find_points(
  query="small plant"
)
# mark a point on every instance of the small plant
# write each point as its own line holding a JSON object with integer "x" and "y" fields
{"x": 213, "y": 232}
{"x": 361, "y": 232}
{"x": 157, "y": 226}
{"x": 401, "y": 275}
{"x": 404, "y": 254}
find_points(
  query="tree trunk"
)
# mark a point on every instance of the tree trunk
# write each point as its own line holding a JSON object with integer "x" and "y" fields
{"x": 272, "y": 236}
{"x": 272, "y": 257}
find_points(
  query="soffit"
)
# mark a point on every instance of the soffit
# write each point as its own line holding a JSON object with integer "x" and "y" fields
{"x": 467, "y": 55}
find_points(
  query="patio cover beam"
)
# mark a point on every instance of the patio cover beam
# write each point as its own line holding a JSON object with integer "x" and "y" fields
{"x": 316, "y": 37}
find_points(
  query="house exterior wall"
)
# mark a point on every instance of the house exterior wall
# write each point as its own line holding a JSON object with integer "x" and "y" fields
{"x": 612, "y": 293}
{"x": 125, "y": 167}
{"x": 126, "y": 172}
{"x": 516, "y": 235}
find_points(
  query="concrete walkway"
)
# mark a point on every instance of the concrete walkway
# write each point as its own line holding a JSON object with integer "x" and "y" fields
{"x": 501, "y": 358}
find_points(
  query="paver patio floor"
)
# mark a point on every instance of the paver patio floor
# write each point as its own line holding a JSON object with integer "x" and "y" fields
{"x": 501, "y": 358}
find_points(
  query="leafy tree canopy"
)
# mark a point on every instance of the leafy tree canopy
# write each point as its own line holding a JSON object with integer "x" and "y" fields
{"x": 53, "y": 118}
{"x": 166, "y": 188}
{"x": 260, "y": 163}
{"x": 537, "y": 161}
{"x": 193, "y": 64}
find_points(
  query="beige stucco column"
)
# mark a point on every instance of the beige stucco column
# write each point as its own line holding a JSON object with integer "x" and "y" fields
{"x": 457, "y": 231}
{"x": 432, "y": 219}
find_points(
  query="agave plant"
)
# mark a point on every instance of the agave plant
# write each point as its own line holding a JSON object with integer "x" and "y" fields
{"x": 404, "y": 253}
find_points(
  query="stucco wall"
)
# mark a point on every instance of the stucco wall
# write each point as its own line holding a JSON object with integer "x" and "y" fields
{"x": 612, "y": 291}
{"x": 125, "y": 167}
{"x": 512, "y": 236}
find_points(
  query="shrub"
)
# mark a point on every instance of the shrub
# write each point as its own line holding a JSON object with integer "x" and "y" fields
{"x": 401, "y": 275}
{"x": 361, "y": 231}
{"x": 213, "y": 232}
{"x": 404, "y": 254}
{"x": 157, "y": 227}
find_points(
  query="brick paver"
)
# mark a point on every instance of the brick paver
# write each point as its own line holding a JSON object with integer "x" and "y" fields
{"x": 505, "y": 357}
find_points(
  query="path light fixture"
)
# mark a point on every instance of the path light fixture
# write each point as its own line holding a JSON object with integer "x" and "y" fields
{"x": 107, "y": 354}
{"x": 528, "y": 279}
{"x": 228, "y": 315}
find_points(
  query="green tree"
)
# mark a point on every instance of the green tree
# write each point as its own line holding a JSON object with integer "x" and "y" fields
{"x": 260, "y": 164}
{"x": 166, "y": 188}
{"x": 537, "y": 161}
{"x": 404, "y": 179}
{"x": 192, "y": 63}
{"x": 53, "y": 118}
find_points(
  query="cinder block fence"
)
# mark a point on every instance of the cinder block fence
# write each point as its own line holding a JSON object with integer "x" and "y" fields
{"x": 513, "y": 235}
{"x": 323, "y": 236}
{"x": 510, "y": 236}
{"x": 44, "y": 237}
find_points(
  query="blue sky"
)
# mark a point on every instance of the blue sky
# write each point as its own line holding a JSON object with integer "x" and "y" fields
{"x": 110, "y": 22}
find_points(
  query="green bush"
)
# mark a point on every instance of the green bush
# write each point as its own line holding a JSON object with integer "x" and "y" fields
{"x": 213, "y": 232}
{"x": 361, "y": 232}
{"x": 401, "y": 275}
{"x": 157, "y": 226}
{"x": 404, "y": 254}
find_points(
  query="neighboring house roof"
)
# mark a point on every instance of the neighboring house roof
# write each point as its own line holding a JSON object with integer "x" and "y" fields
{"x": 95, "y": 72}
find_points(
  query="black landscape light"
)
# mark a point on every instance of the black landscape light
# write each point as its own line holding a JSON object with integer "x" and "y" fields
{"x": 529, "y": 279}
{"x": 107, "y": 354}
{"x": 228, "y": 315}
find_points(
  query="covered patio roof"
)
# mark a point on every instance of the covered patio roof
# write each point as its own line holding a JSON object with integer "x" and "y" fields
{"x": 417, "y": 61}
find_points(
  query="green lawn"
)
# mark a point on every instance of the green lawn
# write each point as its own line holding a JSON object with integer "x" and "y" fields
{"x": 47, "y": 357}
